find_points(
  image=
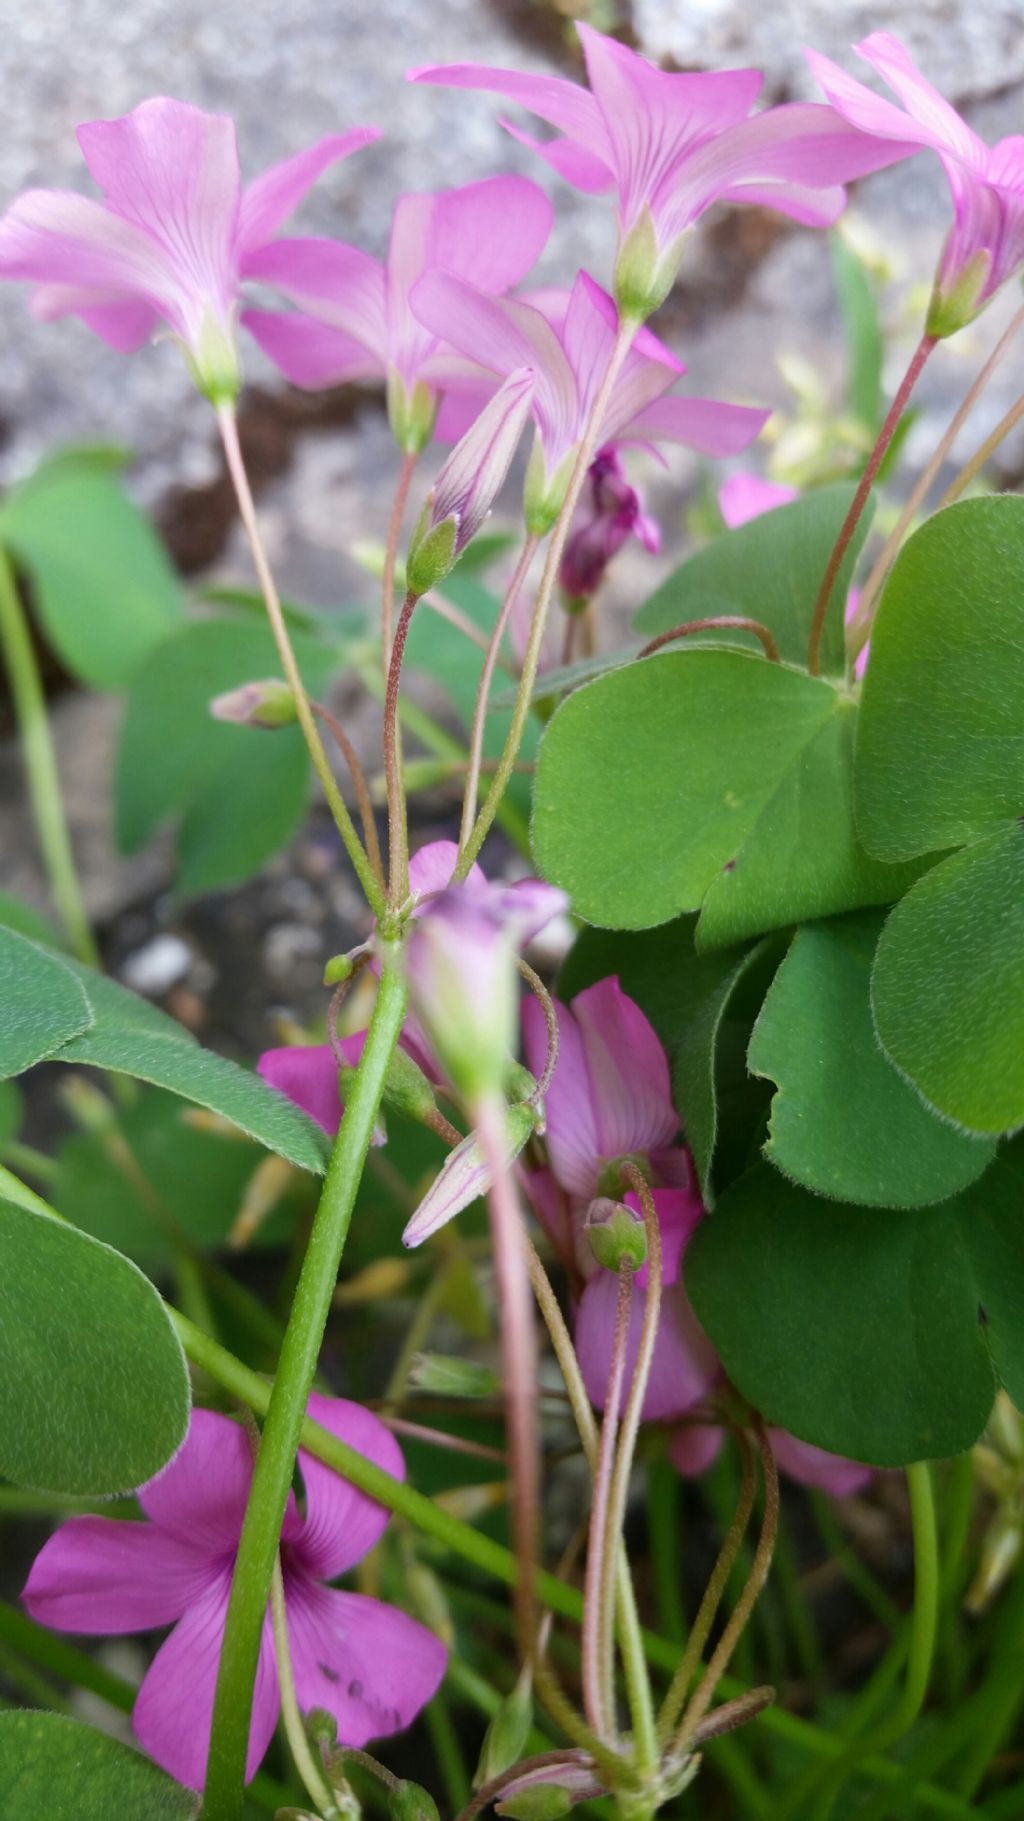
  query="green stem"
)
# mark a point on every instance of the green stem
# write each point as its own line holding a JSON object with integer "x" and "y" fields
{"x": 295, "y": 1731}
{"x": 278, "y": 625}
{"x": 475, "y": 1547}
{"x": 448, "y": 1753}
{"x": 923, "y": 1629}
{"x": 275, "y": 1462}
{"x": 41, "y": 766}
{"x": 545, "y": 594}
{"x": 476, "y": 738}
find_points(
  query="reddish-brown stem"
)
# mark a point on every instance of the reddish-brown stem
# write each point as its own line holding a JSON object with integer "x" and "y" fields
{"x": 859, "y": 501}
{"x": 398, "y": 836}
{"x": 387, "y": 586}
{"x": 476, "y": 739}
{"x": 714, "y": 621}
{"x": 544, "y": 999}
{"x": 358, "y": 776}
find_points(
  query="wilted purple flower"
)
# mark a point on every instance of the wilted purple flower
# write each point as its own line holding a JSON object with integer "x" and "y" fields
{"x": 670, "y": 145}
{"x": 173, "y": 237}
{"x": 364, "y": 1662}
{"x": 353, "y": 319}
{"x": 566, "y": 338}
{"x": 610, "y": 513}
{"x": 985, "y": 245}
{"x": 468, "y": 484}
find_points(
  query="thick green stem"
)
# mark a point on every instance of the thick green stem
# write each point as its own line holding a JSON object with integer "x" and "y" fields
{"x": 278, "y": 626}
{"x": 275, "y": 1462}
{"x": 41, "y": 766}
{"x": 545, "y": 595}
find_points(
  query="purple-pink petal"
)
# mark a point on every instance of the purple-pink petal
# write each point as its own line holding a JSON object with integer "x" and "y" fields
{"x": 627, "y": 1071}
{"x": 341, "y": 1523}
{"x": 55, "y": 237}
{"x": 694, "y": 1447}
{"x": 368, "y": 1664}
{"x": 745, "y": 496}
{"x": 572, "y": 1134}
{"x": 431, "y": 867}
{"x": 338, "y": 284}
{"x": 174, "y": 1707}
{"x": 684, "y": 1364}
{"x": 569, "y": 160}
{"x": 201, "y": 1495}
{"x": 308, "y": 1074}
{"x": 275, "y": 193}
{"x": 811, "y": 1466}
{"x": 105, "y": 1575}
{"x": 564, "y": 105}
{"x": 705, "y": 424}
{"x": 310, "y": 354}
{"x": 124, "y": 323}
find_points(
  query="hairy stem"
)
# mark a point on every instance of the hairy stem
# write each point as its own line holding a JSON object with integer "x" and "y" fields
{"x": 387, "y": 584}
{"x": 353, "y": 847}
{"x": 41, "y": 766}
{"x": 860, "y": 625}
{"x": 295, "y": 1731}
{"x": 852, "y": 519}
{"x": 398, "y": 833}
{"x": 545, "y": 595}
{"x": 712, "y": 624}
{"x": 597, "y": 1644}
{"x": 358, "y": 776}
{"x": 476, "y": 738}
{"x": 258, "y": 1544}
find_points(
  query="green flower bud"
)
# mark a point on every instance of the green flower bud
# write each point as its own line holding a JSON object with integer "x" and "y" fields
{"x": 617, "y": 1235}
{"x": 506, "y": 1736}
{"x": 446, "y": 1375}
{"x": 644, "y": 273}
{"x": 411, "y": 1802}
{"x": 267, "y": 703}
{"x": 339, "y": 968}
{"x": 407, "y": 1089}
{"x": 543, "y": 1802}
{"x": 432, "y": 553}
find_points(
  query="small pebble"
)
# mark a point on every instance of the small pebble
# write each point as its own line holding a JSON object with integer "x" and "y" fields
{"x": 157, "y": 966}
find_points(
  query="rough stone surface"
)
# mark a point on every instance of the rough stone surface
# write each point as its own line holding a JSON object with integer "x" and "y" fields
{"x": 752, "y": 289}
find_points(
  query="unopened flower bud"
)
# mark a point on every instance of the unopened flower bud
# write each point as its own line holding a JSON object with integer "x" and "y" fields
{"x": 448, "y": 1375}
{"x": 268, "y": 703}
{"x": 407, "y": 1090}
{"x": 610, "y": 513}
{"x": 617, "y": 1235}
{"x": 464, "y": 1177}
{"x": 411, "y": 1802}
{"x": 506, "y": 1736}
{"x": 468, "y": 484}
{"x": 339, "y": 968}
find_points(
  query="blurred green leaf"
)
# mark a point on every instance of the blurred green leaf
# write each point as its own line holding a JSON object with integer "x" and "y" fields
{"x": 862, "y": 329}
{"x": 43, "y": 1003}
{"x": 102, "y": 583}
{"x": 17, "y": 915}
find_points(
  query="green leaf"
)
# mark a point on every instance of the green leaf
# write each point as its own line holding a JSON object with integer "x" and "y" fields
{"x": 11, "y": 1112}
{"x": 940, "y": 748}
{"x": 102, "y": 583}
{"x": 57, "y": 1769}
{"x": 566, "y": 677}
{"x": 27, "y": 921}
{"x": 239, "y": 791}
{"x": 198, "y": 1176}
{"x": 844, "y": 1123}
{"x": 707, "y": 778}
{"x": 865, "y": 347}
{"x": 43, "y": 1003}
{"x": 948, "y": 984}
{"x": 856, "y": 1328}
{"x": 770, "y": 570}
{"x": 96, "y": 1393}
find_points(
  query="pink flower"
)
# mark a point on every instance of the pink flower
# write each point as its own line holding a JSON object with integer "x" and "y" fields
{"x": 173, "y": 237}
{"x": 685, "y": 1364}
{"x": 354, "y": 319}
{"x": 308, "y": 1073}
{"x": 366, "y": 1663}
{"x": 745, "y": 496}
{"x": 610, "y": 513}
{"x": 693, "y": 1449}
{"x": 670, "y": 145}
{"x": 610, "y": 1095}
{"x": 566, "y": 339}
{"x": 985, "y": 245}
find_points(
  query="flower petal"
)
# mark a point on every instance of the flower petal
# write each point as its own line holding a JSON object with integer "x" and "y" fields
{"x": 174, "y": 1707}
{"x": 565, "y": 105}
{"x": 430, "y": 869}
{"x": 572, "y": 1134}
{"x": 693, "y": 1448}
{"x": 569, "y": 160}
{"x": 684, "y": 1365}
{"x": 923, "y": 102}
{"x": 173, "y": 170}
{"x": 309, "y": 353}
{"x": 341, "y": 1524}
{"x": 628, "y": 1072}
{"x": 105, "y": 1575}
{"x": 704, "y": 424}
{"x": 745, "y": 496}
{"x": 200, "y": 1496}
{"x": 871, "y": 113}
{"x": 336, "y": 283}
{"x": 680, "y": 1212}
{"x": 812, "y": 1466}
{"x": 368, "y": 1664}
{"x": 58, "y": 238}
{"x": 308, "y": 1074}
{"x": 271, "y": 197}
{"x": 124, "y": 323}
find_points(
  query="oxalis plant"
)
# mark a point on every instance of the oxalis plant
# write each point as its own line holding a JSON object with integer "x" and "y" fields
{"x": 749, "y": 1167}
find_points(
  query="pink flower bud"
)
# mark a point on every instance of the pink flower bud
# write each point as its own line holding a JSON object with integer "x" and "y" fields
{"x": 469, "y": 483}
